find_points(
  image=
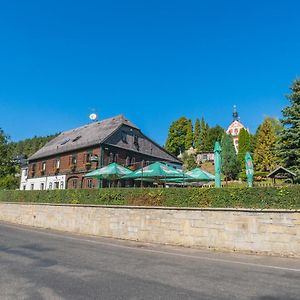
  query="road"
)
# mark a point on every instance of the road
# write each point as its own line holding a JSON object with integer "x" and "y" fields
{"x": 43, "y": 264}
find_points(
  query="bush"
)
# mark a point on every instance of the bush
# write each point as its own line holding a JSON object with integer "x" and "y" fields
{"x": 257, "y": 197}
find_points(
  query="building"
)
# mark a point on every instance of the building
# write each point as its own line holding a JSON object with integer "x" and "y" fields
{"x": 205, "y": 156}
{"x": 63, "y": 162}
{"x": 235, "y": 127}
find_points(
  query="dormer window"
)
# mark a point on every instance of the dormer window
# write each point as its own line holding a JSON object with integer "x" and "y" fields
{"x": 77, "y": 138}
{"x": 64, "y": 142}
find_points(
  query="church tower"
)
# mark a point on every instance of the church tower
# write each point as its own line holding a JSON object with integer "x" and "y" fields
{"x": 235, "y": 127}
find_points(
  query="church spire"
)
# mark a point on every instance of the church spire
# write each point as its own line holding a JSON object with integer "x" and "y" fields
{"x": 235, "y": 114}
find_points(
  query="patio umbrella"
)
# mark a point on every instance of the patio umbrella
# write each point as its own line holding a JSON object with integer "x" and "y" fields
{"x": 111, "y": 172}
{"x": 156, "y": 171}
{"x": 195, "y": 175}
{"x": 200, "y": 175}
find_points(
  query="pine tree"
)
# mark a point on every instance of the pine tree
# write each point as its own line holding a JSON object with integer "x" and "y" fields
{"x": 289, "y": 142}
{"x": 197, "y": 133}
{"x": 230, "y": 163}
{"x": 264, "y": 154}
{"x": 176, "y": 140}
{"x": 203, "y": 145}
{"x": 244, "y": 147}
{"x": 189, "y": 138}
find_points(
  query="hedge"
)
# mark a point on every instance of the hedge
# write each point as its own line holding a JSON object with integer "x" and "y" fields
{"x": 258, "y": 197}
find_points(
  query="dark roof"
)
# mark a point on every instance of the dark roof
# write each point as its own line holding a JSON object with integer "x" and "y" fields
{"x": 81, "y": 137}
{"x": 280, "y": 170}
{"x": 103, "y": 132}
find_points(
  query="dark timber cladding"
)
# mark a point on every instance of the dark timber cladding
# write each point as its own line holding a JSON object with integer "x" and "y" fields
{"x": 78, "y": 151}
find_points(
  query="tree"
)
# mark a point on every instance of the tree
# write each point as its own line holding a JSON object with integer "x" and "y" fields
{"x": 189, "y": 161}
{"x": 230, "y": 163}
{"x": 214, "y": 135}
{"x": 197, "y": 133}
{"x": 189, "y": 138}
{"x": 7, "y": 169}
{"x": 6, "y": 165}
{"x": 289, "y": 141}
{"x": 176, "y": 141}
{"x": 264, "y": 153}
{"x": 203, "y": 143}
{"x": 244, "y": 147}
{"x": 29, "y": 146}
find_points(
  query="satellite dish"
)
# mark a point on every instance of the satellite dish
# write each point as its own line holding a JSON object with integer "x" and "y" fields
{"x": 93, "y": 117}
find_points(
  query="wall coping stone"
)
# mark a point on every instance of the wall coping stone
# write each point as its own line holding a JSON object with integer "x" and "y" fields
{"x": 162, "y": 207}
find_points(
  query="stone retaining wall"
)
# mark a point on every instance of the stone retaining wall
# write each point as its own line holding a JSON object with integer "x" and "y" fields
{"x": 275, "y": 232}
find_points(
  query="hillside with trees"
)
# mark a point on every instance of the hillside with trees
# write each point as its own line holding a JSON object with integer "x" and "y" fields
{"x": 29, "y": 146}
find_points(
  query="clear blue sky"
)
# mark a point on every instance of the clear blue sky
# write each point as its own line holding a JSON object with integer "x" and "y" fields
{"x": 152, "y": 61}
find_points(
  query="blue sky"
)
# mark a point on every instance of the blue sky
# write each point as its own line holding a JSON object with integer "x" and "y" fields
{"x": 152, "y": 61}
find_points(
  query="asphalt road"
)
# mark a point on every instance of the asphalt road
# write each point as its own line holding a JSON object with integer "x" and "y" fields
{"x": 40, "y": 264}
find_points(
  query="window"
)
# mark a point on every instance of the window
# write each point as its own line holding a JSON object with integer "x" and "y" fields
{"x": 57, "y": 163}
{"x": 90, "y": 183}
{"x": 24, "y": 187}
{"x": 74, "y": 183}
{"x": 88, "y": 156}
{"x": 77, "y": 138}
{"x": 32, "y": 186}
{"x": 64, "y": 142}
{"x": 135, "y": 139}
{"x": 124, "y": 137}
{"x": 111, "y": 157}
{"x": 116, "y": 157}
{"x": 56, "y": 185}
{"x": 61, "y": 185}
{"x": 33, "y": 168}
{"x": 50, "y": 185}
{"x": 74, "y": 159}
{"x": 43, "y": 166}
{"x": 42, "y": 186}
{"x": 133, "y": 161}
{"x": 127, "y": 162}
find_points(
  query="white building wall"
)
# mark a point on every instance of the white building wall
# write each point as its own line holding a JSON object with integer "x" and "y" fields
{"x": 23, "y": 180}
{"x": 42, "y": 183}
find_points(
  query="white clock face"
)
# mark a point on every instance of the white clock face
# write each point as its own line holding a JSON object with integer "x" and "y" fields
{"x": 93, "y": 117}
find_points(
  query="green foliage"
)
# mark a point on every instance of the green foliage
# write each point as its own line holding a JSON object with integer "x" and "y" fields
{"x": 189, "y": 138}
{"x": 30, "y": 146}
{"x": 203, "y": 136}
{"x": 261, "y": 198}
{"x": 289, "y": 142}
{"x": 189, "y": 161}
{"x": 8, "y": 182}
{"x": 197, "y": 133}
{"x": 6, "y": 164}
{"x": 265, "y": 150}
{"x": 244, "y": 147}
{"x": 214, "y": 135}
{"x": 176, "y": 141}
{"x": 230, "y": 163}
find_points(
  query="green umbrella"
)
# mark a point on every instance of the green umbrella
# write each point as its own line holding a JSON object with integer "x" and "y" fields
{"x": 200, "y": 175}
{"x": 194, "y": 175}
{"x": 218, "y": 164}
{"x": 156, "y": 171}
{"x": 111, "y": 172}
